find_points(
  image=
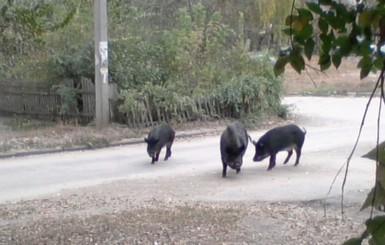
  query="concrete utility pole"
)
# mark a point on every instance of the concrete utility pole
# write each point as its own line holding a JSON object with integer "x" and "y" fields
{"x": 102, "y": 87}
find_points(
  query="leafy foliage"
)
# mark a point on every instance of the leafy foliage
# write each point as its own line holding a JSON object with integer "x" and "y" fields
{"x": 376, "y": 197}
{"x": 171, "y": 53}
{"x": 342, "y": 30}
{"x": 67, "y": 96}
{"x": 168, "y": 71}
{"x": 23, "y": 24}
{"x": 337, "y": 30}
{"x": 67, "y": 29}
{"x": 68, "y": 51}
{"x": 75, "y": 65}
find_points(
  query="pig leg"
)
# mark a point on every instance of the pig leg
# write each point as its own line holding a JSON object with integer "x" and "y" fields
{"x": 298, "y": 151}
{"x": 168, "y": 151}
{"x": 168, "y": 154}
{"x": 272, "y": 161}
{"x": 289, "y": 153}
{"x": 239, "y": 169}
{"x": 153, "y": 159}
{"x": 224, "y": 169}
{"x": 157, "y": 156}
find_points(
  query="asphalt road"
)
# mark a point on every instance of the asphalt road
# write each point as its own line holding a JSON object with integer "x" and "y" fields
{"x": 194, "y": 170}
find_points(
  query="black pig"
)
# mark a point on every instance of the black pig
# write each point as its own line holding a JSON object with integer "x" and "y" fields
{"x": 158, "y": 137}
{"x": 285, "y": 138}
{"x": 233, "y": 145}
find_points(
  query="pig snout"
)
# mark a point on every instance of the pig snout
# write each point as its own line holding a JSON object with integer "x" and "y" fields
{"x": 258, "y": 158}
{"x": 234, "y": 164}
{"x": 151, "y": 153}
{"x": 260, "y": 152}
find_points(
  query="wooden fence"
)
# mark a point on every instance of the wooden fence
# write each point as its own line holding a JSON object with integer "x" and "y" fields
{"x": 47, "y": 103}
{"x": 206, "y": 108}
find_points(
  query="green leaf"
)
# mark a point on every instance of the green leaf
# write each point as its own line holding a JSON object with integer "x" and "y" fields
{"x": 367, "y": 32}
{"x": 340, "y": 25}
{"x": 329, "y": 16}
{"x": 299, "y": 40}
{"x": 351, "y": 16}
{"x": 323, "y": 25}
{"x": 306, "y": 32}
{"x": 344, "y": 45}
{"x": 290, "y": 19}
{"x": 379, "y": 62}
{"x": 324, "y": 62}
{"x": 341, "y": 10}
{"x": 379, "y": 199}
{"x": 279, "y": 67}
{"x": 304, "y": 13}
{"x": 353, "y": 241}
{"x": 325, "y": 2}
{"x": 364, "y": 72}
{"x": 364, "y": 48}
{"x": 299, "y": 23}
{"x": 380, "y": 174}
{"x": 326, "y": 40}
{"x": 376, "y": 227}
{"x": 314, "y": 7}
{"x": 334, "y": 22}
{"x": 297, "y": 62}
{"x": 336, "y": 59}
{"x": 287, "y": 31}
{"x": 309, "y": 48}
{"x": 365, "y": 18}
{"x": 366, "y": 64}
{"x": 372, "y": 154}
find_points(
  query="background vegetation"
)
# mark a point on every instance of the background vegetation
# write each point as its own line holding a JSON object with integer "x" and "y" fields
{"x": 164, "y": 55}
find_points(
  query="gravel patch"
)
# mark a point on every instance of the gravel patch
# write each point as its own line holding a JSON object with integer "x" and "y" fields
{"x": 95, "y": 215}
